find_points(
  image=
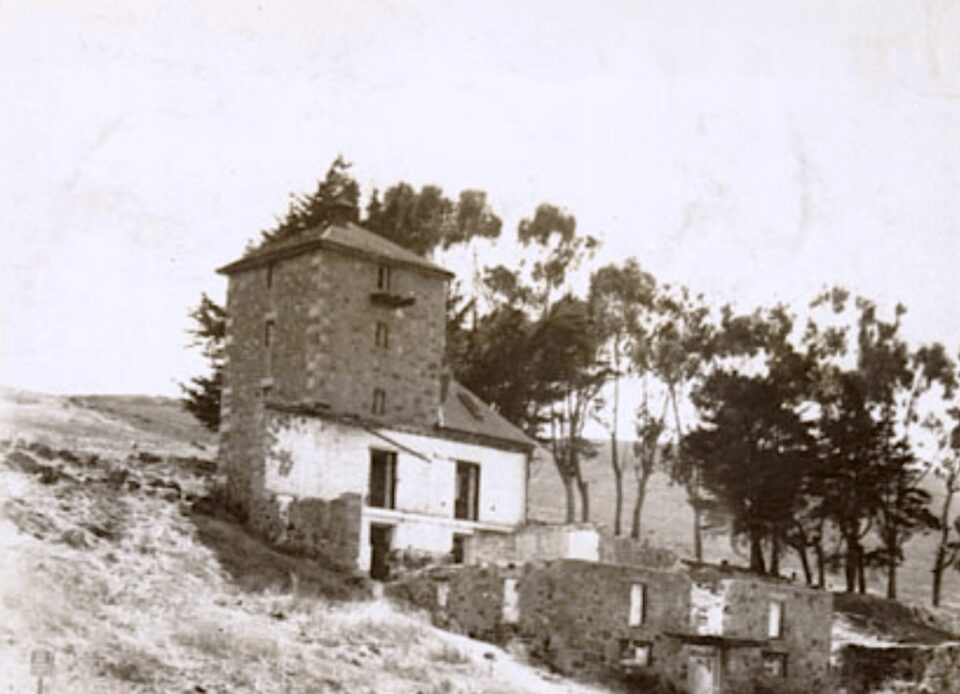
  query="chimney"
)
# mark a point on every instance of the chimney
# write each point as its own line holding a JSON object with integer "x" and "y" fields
{"x": 342, "y": 210}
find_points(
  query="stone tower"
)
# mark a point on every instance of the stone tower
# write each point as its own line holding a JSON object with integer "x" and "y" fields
{"x": 338, "y": 319}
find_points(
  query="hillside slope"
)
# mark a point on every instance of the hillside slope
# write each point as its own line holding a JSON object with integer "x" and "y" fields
{"x": 108, "y": 563}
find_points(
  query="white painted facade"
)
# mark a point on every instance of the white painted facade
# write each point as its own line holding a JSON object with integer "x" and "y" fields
{"x": 312, "y": 457}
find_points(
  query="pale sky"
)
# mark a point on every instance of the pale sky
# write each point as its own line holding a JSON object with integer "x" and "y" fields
{"x": 751, "y": 150}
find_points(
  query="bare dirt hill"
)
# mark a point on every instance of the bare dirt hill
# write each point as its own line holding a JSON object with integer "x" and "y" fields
{"x": 110, "y": 563}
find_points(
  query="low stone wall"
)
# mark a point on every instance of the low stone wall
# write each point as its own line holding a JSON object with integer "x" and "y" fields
{"x": 626, "y": 550}
{"x": 328, "y": 530}
{"x": 913, "y": 668}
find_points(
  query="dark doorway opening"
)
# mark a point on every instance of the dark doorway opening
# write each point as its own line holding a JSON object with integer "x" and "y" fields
{"x": 381, "y": 537}
{"x": 457, "y": 551}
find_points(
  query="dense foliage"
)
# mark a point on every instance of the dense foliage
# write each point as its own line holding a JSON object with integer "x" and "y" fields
{"x": 795, "y": 434}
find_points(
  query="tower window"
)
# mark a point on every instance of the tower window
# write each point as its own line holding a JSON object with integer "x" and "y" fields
{"x": 383, "y": 335}
{"x": 270, "y": 276}
{"x": 383, "y": 278}
{"x": 379, "y": 401}
{"x": 268, "y": 332}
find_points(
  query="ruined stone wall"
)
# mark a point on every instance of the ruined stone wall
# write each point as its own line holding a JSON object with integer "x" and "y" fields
{"x": 583, "y": 616}
{"x": 804, "y": 640}
{"x": 581, "y": 612}
{"x": 626, "y": 550}
{"x": 348, "y": 365}
{"x": 912, "y": 668}
{"x": 328, "y": 530}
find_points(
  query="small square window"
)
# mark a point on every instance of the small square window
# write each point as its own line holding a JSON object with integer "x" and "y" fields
{"x": 269, "y": 328}
{"x": 383, "y": 278}
{"x": 382, "y": 338}
{"x": 379, "y": 401}
{"x": 635, "y": 653}
{"x": 775, "y": 664}
{"x": 265, "y": 391}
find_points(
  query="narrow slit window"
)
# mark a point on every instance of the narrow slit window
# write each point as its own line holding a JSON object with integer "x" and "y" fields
{"x": 379, "y": 401}
{"x": 775, "y": 630}
{"x": 637, "y": 604}
{"x": 382, "y": 338}
{"x": 269, "y": 330}
{"x": 383, "y": 278}
{"x": 270, "y": 276}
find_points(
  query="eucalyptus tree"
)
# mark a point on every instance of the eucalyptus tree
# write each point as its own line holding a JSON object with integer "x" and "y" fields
{"x": 619, "y": 296}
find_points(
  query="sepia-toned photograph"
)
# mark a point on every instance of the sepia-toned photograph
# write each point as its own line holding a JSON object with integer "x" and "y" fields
{"x": 462, "y": 347}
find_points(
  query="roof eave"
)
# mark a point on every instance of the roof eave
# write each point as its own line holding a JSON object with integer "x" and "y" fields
{"x": 268, "y": 256}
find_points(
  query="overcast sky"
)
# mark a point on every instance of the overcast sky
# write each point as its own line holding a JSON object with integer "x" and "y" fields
{"x": 752, "y": 150}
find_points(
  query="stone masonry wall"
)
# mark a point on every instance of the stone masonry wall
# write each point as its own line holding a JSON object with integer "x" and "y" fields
{"x": 348, "y": 365}
{"x": 317, "y": 528}
{"x": 253, "y": 366}
{"x": 930, "y": 669}
{"x": 577, "y": 615}
{"x": 323, "y": 350}
{"x": 805, "y": 639}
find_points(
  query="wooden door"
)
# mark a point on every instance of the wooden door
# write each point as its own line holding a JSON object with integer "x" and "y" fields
{"x": 703, "y": 673}
{"x": 381, "y": 537}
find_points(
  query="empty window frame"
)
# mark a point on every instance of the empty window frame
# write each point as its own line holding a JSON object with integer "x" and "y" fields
{"x": 638, "y": 600}
{"x": 635, "y": 653}
{"x": 382, "y": 337}
{"x": 379, "y": 405}
{"x": 774, "y": 664}
{"x": 467, "y": 501}
{"x": 383, "y": 278}
{"x": 269, "y": 330}
{"x": 775, "y": 626}
{"x": 382, "y": 491}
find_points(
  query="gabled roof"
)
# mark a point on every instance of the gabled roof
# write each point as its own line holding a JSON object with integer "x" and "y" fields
{"x": 348, "y": 238}
{"x": 463, "y": 412}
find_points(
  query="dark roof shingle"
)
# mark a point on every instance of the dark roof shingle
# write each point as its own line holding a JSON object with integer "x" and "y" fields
{"x": 347, "y": 238}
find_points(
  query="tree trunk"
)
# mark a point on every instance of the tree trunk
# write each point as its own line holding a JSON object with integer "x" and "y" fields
{"x": 940, "y": 561}
{"x": 850, "y": 564}
{"x": 805, "y": 563}
{"x": 821, "y": 564}
{"x": 938, "y": 567}
{"x": 693, "y": 489}
{"x": 571, "y": 499}
{"x": 636, "y": 525}
{"x": 774, "y": 554}
{"x": 756, "y": 553}
{"x": 861, "y": 572}
{"x": 618, "y": 480}
{"x": 584, "y": 487}
{"x": 892, "y": 578}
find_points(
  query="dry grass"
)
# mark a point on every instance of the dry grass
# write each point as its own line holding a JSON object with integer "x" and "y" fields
{"x": 104, "y": 563}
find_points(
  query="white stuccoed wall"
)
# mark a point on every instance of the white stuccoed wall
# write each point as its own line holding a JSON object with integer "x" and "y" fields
{"x": 312, "y": 457}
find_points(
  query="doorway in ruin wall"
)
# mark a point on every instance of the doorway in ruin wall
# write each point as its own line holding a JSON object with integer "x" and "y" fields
{"x": 703, "y": 671}
{"x": 381, "y": 539}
